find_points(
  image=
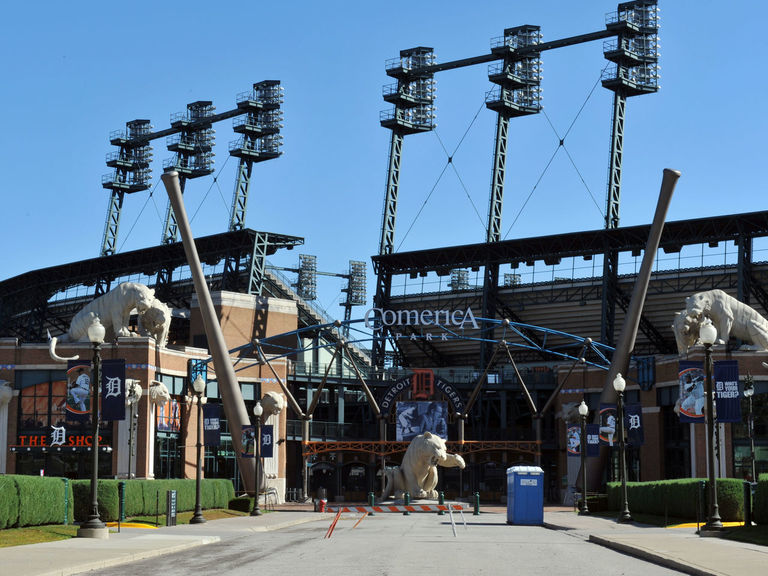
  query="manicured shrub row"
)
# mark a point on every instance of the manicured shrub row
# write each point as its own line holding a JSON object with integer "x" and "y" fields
{"x": 148, "y": 497}
{"x": 760, "y": 505}
{"x": 680, "y": 498}
{"x": 34, "y": 500}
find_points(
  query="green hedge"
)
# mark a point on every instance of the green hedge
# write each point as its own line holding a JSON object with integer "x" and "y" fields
{"x": 760, "y": 505}
{"x": 241, "y": 504}
{"x": 9, "y": 502}
{"x": 679, "y": 498}
{"x": 148, "y": 497}
{"x": 36, "y": 500}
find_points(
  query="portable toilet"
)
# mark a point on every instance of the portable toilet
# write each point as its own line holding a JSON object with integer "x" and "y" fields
{"x": 525, "y": 495}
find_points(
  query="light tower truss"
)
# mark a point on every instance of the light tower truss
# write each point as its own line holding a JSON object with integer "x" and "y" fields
{"x": 634, "y": 54}
{"x": 193, "y": 152}
{"x": 191, "y": 139}
{"x": 132, "y": 173}
{"x": 516, "y": 70}
{"x": 306, "y": 284}
{"x": 260, "y": 140}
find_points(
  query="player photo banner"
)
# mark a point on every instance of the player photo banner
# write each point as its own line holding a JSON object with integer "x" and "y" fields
{"x": 248, "y": 441}
{"x": 414, "y": 418}
{"x": 212, "y": 424}
{"x": 690, "y": 404}
{"x": 573, "y": 442}
{"x": 607, "y": 426}
{"x": 113, "y": 390}
{"x": 78, "y": 402}
{"x": 726, "y": 377}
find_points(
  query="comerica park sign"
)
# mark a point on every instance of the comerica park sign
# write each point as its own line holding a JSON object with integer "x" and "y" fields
{"x": 378, "y": 318}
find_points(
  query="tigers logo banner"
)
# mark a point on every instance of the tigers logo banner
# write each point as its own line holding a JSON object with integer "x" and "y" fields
{"x": 726, "y": 376}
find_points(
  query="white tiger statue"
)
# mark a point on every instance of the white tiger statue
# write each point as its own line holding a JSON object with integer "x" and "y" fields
{"x": 155, "y": 322}
{"x": 730, "y": 317}
{"x": 417, "y": 474}
{"x": 113, "y": 310}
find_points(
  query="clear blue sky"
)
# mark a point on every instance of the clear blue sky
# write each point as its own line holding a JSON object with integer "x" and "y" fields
{"x": 74, "y": 72}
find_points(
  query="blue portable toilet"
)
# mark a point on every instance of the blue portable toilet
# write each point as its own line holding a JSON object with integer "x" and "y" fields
{"x": 525, "y": 495}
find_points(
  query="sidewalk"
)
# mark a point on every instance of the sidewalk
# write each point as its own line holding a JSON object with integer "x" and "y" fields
{"x": 678, "y": 548}
{"x": 65, "y": 557}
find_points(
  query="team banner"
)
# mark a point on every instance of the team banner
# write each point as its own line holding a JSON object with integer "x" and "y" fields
{"x": 690, "y": 404}
{"x": 633, "y": 424}
{"x": 607, "y": 426}
{"x": 573, "y": 444}
{"x": 113, "y": 390}
{"x": 451, "y": 393}
{"x": 248, "y": 441}
{"x": 726, "y": 376}
{"x": 212, "y": 424}
{"x": 78, "y": 402}
{"x": 593, "y": 440}
{"x": 267, "y": 441}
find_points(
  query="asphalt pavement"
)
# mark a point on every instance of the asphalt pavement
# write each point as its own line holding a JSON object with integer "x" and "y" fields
{"x": 678, "y": 548}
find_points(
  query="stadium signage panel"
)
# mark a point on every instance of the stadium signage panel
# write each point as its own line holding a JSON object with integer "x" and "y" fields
{"x": 376, "y": 318}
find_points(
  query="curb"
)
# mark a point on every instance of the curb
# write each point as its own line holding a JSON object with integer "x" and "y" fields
{"x": 650, "y": 556}
{"x": 131, "y": 557}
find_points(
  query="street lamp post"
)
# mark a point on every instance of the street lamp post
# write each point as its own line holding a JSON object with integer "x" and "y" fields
{"x": 707, "y": 336}
{"x": 94, "y": 527}
{"x": 199, "y": 387}
{"x": 583, "y": 411}
{"x": 257, "y": 412}
{"x": 749, "y": 390}
{"x": 619, "y": 384}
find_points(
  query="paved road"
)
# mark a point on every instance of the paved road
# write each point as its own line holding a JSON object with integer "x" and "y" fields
{"x": 396, "y": 545}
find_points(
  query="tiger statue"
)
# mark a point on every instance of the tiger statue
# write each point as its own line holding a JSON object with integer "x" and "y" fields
{"x": 113, "y": 310}
{"x": 417, "y": 474}
{"x": 730, "y": 317}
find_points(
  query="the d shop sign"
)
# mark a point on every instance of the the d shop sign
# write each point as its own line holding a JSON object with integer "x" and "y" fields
{"x": 376, "y": 318}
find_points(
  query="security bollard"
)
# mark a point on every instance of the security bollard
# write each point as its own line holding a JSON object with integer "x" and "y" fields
{"x": 371, "y": 503}
{"x": 747, "y": 503}
{"x": 407, "y": 500}
{"x": 121, "y": 494}
{"x": 477, "y": 504}
{"x": 441, "y": 501}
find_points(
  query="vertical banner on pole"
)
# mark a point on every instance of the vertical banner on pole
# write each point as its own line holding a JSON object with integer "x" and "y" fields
{"x": 593, "y": 440}
{"x": 212, "y": 424}
{"x": 248, "y": 442}
{"x": 633, "y": 424}
{"x": 573, "y": 443}
{"x": 267, "y": 441}
{"x": 726, "y": 375}
{"x": 607, "y": 426}
{"x": 690, "y": 404}
{"x": 113, "y": 389}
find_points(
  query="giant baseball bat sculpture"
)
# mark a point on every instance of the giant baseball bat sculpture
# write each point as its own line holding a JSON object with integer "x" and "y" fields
{"x": 620, "y": 360}
{"x": 231, "y": 396}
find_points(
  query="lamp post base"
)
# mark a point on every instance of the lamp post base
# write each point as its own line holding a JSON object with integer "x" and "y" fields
{"x": 197, "y": 518}
{"x": 708, "y": 531}
{"x": 625, "y": 517}
{"x": 101, "y": 533}
{"x": 256, "y": 512}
